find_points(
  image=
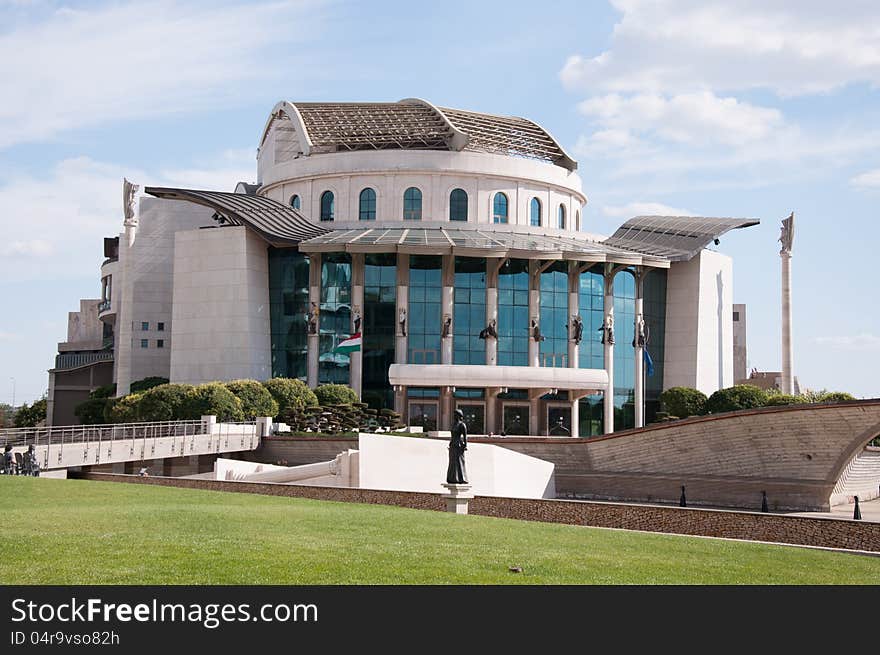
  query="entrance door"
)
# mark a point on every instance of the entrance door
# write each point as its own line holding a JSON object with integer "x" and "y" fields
{"x": 423, "y": 414}
{"x": 474, "y": 417}
{"x": 559, "y": 420}
{"x": 515, "y": 419}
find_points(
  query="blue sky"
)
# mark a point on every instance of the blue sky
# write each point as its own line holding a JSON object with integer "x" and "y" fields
{"x": 737, "y": 108}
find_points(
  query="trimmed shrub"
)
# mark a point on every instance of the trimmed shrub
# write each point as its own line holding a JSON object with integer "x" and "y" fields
{"x": 834, "y": 397}
{"x": 336, "y": 394}
{"x": 212, "y": 398}
{"x": 164, "y": 402}
{"x": 122, "y": 410}
{"x": 776, "y": 399}
{"x": 107, "y": 391}
{"x": 290, "y": 394}
{"x": 683, "y": 401}
{"x": 147, "y": 383}
{"x": 739, "y": 396}
{"x": 91, "y": 412}
{"x": 255, "y": 398}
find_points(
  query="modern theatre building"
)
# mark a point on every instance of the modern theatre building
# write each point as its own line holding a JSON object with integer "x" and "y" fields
{"x": 430, "y": 258}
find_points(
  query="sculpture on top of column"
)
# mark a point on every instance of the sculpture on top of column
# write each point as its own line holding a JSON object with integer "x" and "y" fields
{"x": 535, "y": 329}
{"x": 456, "y": 472}
{"x": 447, "y": 326}
{"x": 786, "y": 234}
{"x": 128, "y": 192}
{"x": 577, "y": 329}
{"x": 640, "y": 337}
{"x": 401, "y": 321}
{"x": 489, "y": 331}
{"x": 608, "y": 330}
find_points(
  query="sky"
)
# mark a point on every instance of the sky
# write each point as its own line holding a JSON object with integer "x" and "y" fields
{"x": 747, "y": 108}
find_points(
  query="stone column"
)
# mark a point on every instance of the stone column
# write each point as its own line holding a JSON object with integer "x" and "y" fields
{"x": 492, "y": 410}
{"x": 639, "y": 395}
{"x": 609, "y": 350}
{"x": 534, "y": 311}
{"x": 787, "y": 349}
{"x": 355, "y": 368}
{"x": 400, "y": 340}
{"x": 313, "y": 339}
{"x": 447, "y": 307}
{"x": 444, "y": 421}
{"x": 576, "y": 416}
{"x": 492, "y": 309}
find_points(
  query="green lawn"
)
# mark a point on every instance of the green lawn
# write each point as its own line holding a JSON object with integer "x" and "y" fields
{"x": 80, "y": 532}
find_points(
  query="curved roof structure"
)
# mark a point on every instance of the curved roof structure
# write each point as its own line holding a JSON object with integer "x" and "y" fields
{"x": 678, "y": 238}
{"x": 415, "y": 124}
{"x": 274, "y": 221}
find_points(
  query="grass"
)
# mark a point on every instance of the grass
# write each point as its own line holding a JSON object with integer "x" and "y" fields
{"x": 82, "y": 532}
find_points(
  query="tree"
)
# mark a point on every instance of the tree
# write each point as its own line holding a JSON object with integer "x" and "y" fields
{"x": 335, "y": 394}
{"x": 777, "y": 399}
{"x": 123, "y": 410}
{"x": 28, "y": 417}
{"x": 683, "y": 401}
{"x": 165, "y": 402}
{"x": 147, "y": 383}
{"x": 91, "y": 412}
{"x": 834, "y": 397}
{"x": 739, "y": 396}
{"x": 255, "y": 398}
{"x": 290, "y": 394}
{"x": 212, "y": 399}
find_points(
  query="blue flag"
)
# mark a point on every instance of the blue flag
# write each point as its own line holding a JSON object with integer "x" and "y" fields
{"x": 649, "y": 363}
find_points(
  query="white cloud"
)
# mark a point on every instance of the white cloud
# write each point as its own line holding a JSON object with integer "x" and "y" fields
{"x": 867, "y": 180}
{"x": 681, "y": 46}
{"x": 66, "y": 213}
{"x": 86, "y": 66}
{"x": 643, "y": 209}
{"x": 860, "y": 342}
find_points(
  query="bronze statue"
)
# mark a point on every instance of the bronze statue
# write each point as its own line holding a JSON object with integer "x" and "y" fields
{"x": 456, "y": 473}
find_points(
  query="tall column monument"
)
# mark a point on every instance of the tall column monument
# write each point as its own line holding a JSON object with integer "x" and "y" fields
{"x": 786, "y": 238}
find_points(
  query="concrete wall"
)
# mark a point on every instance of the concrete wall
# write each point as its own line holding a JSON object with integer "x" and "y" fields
{"x": 68, "y": 388}
{"x": 699, "y": 323}
{"x": 145, "y": 292}
{"x": 819, "y": 532}
{"x": 740, "y": 345}
{"x": 84, "y": 330}
{"x": 221, "y": 306}
{"x": 418, "y": 464}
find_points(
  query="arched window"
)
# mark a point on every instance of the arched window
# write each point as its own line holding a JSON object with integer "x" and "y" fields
{"x": 499, "y": 208}
{"x": 367, "y": 209}
{"x": 327, "y": 206}
{"x": 535, "y": 213}
{"x": 412, "y": 204}
{"x": 295, "y": 201}
{"x": 577, "y": 221}
{"x": 458, "y": 205}
{"x": 561, "y": 217}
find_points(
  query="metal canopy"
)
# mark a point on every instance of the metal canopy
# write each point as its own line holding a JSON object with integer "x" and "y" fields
{"x": 274, "y": 221}
{"x": 483, "y": 241}
{"x": 678, "y": 238}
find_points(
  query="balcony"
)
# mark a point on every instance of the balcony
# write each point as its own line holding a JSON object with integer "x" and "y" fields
{"x": 64, "y": 361}
{"x": 103, "y": 306}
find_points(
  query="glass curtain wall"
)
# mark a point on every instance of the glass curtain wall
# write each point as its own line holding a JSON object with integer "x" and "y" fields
{"x": 335, "y": 318}
{"x": 591, "y": 354}
{"x": 624, "y": 353}
{"x": 513, "y": 313}
{"x": 469, "y": 310}
{"x": 424, "y": 315}
{"x": 288, "y": 306}
{"x": 655, "y": 321}
{"x": 554, "y": 315}
{"x": 380, "y": 305}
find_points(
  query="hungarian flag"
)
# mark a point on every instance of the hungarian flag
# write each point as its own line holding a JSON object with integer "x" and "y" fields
{"x": 350, "y": 345}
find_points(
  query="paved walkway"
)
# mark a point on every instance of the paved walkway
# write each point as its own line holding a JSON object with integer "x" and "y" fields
{"x": 870, "y": 511}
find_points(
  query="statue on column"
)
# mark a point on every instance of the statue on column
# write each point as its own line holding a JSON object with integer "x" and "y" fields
{"x": 447, "y": 326}
{"x": 608, "y": 330}
{"x": 356, "y": 319}
{"x": 312, "y": 319}
{"x": 128, "y": 192}
{"x": 640, "y": 337}
{"x": 489, "y": 331}
{"x": 535, "y": 330}
{"x": 577, "y": 329}
{"x": 401, "y": 321}
{"x": 456, "y": 472}
{"x": 786, "y": 234}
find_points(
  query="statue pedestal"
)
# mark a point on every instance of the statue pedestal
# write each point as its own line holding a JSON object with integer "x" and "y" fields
{"x": 458, "y": 497}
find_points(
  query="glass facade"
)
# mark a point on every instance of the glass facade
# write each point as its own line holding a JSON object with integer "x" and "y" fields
{"x": 560, "y": 221}
{"x": 591, "y": 302}
{"x": 367, "y": 205}
{"x": 554, "y": 315}
{"x": 412, "y": 204}
{"x": 327, "y": 206}
{"x": 288, "y": 306}
{"x": 458, "y": 205}
{"x": 380, "y": 304}
{"x": 624, "y": 353}
{"x": 335, "y": 318}
{"x": 469, "y": 310}
{"x": 535, "y": 213}
{"x": 499, "y": 208}
{"x": 654, "y": 305}
{"x": 424, "y": 316}
{"x": 513, "y": 313}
